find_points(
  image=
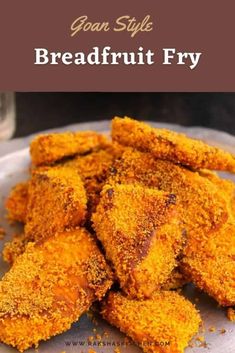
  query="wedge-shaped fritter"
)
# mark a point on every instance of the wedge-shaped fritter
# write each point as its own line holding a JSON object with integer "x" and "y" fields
{"x": 57, "y": 200}
{"x": 50, "y": 286}
{"x": 201, "y": 204}
{"x": 226, "y": 187}
{"x": 163, "y": 324}
{"x": 16, "y": 203}
{"x": 209, "y": 260}
{"x": 205, "y": 214}
{"x": 49, "y": 148}
{"x": 172, "y": 146}
{"x": 94, "y": 168}
{"x": 139, "y": 230}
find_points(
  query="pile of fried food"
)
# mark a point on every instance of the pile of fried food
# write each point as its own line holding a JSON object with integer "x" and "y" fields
{"x": 124, "y": 222}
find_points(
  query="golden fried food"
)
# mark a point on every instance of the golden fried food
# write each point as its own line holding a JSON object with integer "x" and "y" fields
{"x": 169, "y": 145}
{"x": 16, "y": 203}
{"x": 225, "y": 186}
{"x": 209, "y": 229}
{"x": 57, "y": 200}
{"x": 14, "y": 248}
{"x": 94, "y": 168}
{"x": 165, "y": 323}
{"x": 201, "y": 206}
{"x": 49, "y": 148}
{"x": 50, "y": 286}
{"x": 176, "y": 280}
{"x": 209, "y": 260}
{"x": 139, "y": 230}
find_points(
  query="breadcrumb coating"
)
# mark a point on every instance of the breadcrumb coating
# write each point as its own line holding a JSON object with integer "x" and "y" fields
{"x": 94, "y": 168}
{"x": 50, "y": 286}
{"x": 139, "y": 230}
{"x": 170, "y": 145}
{"x": 207, "y": 220}
{"x": 176, "y": 280}
{"x": 201, "y": 206}
{"x": 209, "y": 260}
{"x": 57, "y": 200}
{"x": 49, "y": 148}
{"x": 14, "y": 248}
{"x": 226, "y": 187}
{"x": 16, "y": 203}
{"x": 163, "y": 324}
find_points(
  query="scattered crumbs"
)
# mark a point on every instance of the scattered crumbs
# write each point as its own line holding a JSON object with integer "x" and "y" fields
{"x": 94, "y": 321}
{"x": 89, "y": 315}
{"x": 94, "y": 330}
{"x": 200, "y": 339}
{"x": 222, "y": 331}
{"x": 106, "y": 334}
{"x": 2, "y": 233}
{"x": 90, "y": 339}
{"x": 98, "y": 337}
{"x": 127, "y": 341}
{"x": 203, "y": 345}
{"x": 191, "y": 345}
{"x": 231, "y": 314}
{"x": 212, "y": 329}
{"x": 196, "y": 299}
{"x": 117, "y": 350}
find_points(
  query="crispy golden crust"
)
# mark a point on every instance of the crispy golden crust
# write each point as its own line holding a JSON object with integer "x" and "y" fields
{"x": 170, "y": 145}
{"x": 208, "y": 256}
{"x": 16, "y": 203}
{"x": 202, "y": 206}
{"x": 141, "y": 236}
{"x": 49, "y": 148}
{"x": 57, "y": 200}
{"x": 50, "y": 286}
{"x": 94, "y": 168}
{"x": 226, "y": 187}
{"x": 167, "y": 319}
{"x": 14, "y": 248}
{"x": 209, "y": 260}
{"x": 176, "y": 280}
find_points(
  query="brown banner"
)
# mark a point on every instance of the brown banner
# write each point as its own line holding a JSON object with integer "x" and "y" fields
{"x": 148, "y": 45}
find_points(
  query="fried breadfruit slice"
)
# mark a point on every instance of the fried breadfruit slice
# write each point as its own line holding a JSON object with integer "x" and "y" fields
{"x": 57, "y": 200}
{"x": 203, "y": 208}
{"x": 50, "y": 286}
{"x": 170, "y": 145}
{"x": 14, "y": 248}
{"x": 209, "y": 260}
{"x": 49, "y": 148}
{"x": 94, "y": 169}
{"x": 225, "y": 186}
{"x": 16, "y": 202}
{"x": 139, "y": 230}
{"x": 201, "y": 204}
{"x": 165, "y": 323}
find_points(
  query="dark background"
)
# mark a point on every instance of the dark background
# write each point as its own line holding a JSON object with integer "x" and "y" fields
{"x": 40, "y": 111}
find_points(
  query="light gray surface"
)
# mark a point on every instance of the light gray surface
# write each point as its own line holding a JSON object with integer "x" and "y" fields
{"x": 14, "y": 167}
{"x": 222, "y": 139}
